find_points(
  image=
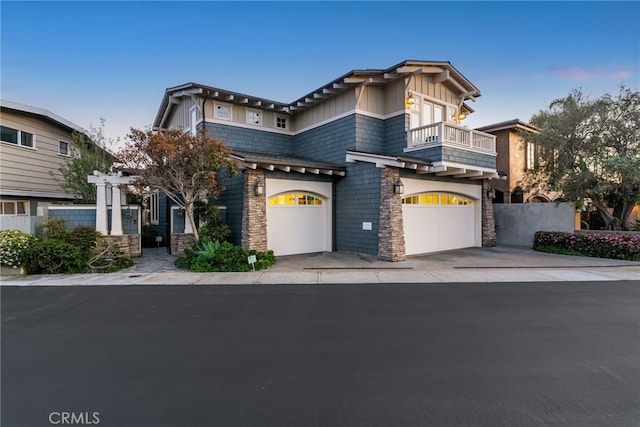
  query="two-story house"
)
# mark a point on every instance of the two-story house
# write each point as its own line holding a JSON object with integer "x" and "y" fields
{"x": 373, "y": 162}
{"x": 515, "y": 157}
{"x": 34, "y": 144}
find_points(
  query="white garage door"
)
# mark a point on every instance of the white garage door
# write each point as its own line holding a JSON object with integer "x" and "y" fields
{"x": 297, "y": 223}
{"x": 438, "y": 221}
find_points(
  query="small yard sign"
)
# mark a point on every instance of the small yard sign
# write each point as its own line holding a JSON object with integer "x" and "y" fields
{"x": 252, "y": 260}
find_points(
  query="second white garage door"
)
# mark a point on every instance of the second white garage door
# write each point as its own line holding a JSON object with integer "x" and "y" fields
{"x": 437, "y": 221}
{"x": 298, "y": 221}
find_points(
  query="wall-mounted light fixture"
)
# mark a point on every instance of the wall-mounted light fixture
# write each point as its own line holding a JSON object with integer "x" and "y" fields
{"x": 259, "y": 189}
{"x": 398, "y": 187}
{"x": 410, "y": 100}
{"x": 491, "y": 193}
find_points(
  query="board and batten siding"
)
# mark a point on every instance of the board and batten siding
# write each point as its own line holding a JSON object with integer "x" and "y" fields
{"x": 424, "y": 84}
{"x": 239, "y": 115}
{"x": 181, "y": 115}
{"x": 330, "y": 108}
{"x": 31, "y": 169}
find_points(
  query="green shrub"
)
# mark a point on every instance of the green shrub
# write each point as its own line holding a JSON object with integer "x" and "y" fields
{"x": 14, "y": 247}
{"x": 600, "y": 245}
{"x": 213, "y": 228}
{"x": 84, "y": 237}
{"x": 53, "y": 256}
{"x": 219, "y": 257}
{"x": 55, "y": 228}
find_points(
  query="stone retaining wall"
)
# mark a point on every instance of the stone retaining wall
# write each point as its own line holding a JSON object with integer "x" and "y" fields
{"x": 129, "y": 244}
{"x": 180, "y": 242}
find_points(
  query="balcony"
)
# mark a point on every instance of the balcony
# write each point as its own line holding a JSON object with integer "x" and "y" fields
{"x": 449, "y": 135}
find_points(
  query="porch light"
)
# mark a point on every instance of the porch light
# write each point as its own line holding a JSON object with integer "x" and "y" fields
{"x": 491, "y": 193}
{"x": 460, "y": 116}
{"x": 411, "y": 100}
{"x": 259, "y": 188}
{"x": 398, "y": 187}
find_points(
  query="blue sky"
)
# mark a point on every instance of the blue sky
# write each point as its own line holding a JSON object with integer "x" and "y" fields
{"x": 113, "y": 60}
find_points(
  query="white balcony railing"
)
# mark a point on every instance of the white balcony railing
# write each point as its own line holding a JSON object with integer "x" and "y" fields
{"x": 447, "y": 134}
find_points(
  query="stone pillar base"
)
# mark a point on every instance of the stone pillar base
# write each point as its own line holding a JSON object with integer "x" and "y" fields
{"x": 488, "y": 221}
{"x": 128, "y": 244}
{"x": 180, "y": 242}
{"x": 254, "y": 212}
{"x": 391, "y": 229}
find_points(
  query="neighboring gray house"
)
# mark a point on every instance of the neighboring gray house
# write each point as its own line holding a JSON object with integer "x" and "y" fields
{"x": 373, "y": 162}
{"x": 34, "y": 144}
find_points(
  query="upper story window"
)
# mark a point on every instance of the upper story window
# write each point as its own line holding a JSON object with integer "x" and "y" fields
{"x": 282, "y": 122}
{"x": 63, "y": 148}
{"x": 18, "y": 137}
{"x": 222, "y": 111}
{"x": 193, "y": 120}
{"x": 154, "y": 208}
{"x": 13, "y": 207}
{"x": 531, "y": 158}
{"x": 424, "y": 111}
{"x": 254, "y": 117}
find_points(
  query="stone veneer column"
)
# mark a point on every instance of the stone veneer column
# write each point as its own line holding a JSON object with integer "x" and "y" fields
{"x": 254, "y": 212}
{"x": 391, "y": 227}
{"x": 488, "y": 222}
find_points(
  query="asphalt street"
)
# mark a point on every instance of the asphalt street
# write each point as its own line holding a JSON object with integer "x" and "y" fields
{"x": 472, "y": 354}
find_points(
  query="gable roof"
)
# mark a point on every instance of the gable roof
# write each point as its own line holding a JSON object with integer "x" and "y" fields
{"x": 445, "y": 72}
{"x": 509, "y": 125}
{"x": 42, "y": 114}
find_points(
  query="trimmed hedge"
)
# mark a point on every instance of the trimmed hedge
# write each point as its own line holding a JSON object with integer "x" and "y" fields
{"x": 600, "y": 245}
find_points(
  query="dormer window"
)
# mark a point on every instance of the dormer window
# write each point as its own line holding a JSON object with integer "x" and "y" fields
{"x": 281, "y": 122}
{"x": 254, "y": 117}
{"x": 222, "y": 111}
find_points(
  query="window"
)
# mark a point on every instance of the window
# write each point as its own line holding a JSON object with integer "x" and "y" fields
{"x": 223, "y": 111}
{"x": 437, "y": 199}
{"x": 15, "y": 136}
{"x": 424, "y": 112}
{"x": 254, "y": 117}
{"x": 281, "y": 122}
{"x": 531, "y": 158}
{"x": 63, "y": 148}
{"x": 293, "y": 199}
{"x": 193, "y": 121}
{"x": 154, "y": 208}
{"x": 13, "y": 208}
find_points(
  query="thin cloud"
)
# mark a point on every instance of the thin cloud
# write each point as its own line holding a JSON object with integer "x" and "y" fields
{"x": 577, "y": 73}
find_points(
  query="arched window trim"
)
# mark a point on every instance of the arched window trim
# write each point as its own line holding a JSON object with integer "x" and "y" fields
{"x": 295, "y": 197}
{"x": 436, "y": 198}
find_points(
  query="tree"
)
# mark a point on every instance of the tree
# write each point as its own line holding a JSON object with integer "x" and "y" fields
{"x": 185, "y": 167}
{"x": 590, "y": 149}
{"x": 88, "y": 152}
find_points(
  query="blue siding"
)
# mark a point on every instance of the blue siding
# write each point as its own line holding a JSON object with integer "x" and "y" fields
{"x": 161, "y": 228}
{"x": 179, "y": 221}
{"x": 232, "y": 198}
{"x": 370, "y": 134}
{"x": 329, "y": 142}
{"x": 395, "y": 135}
{"x": 357, "y": 200}
{"x": 75, "y": 217}
{"x": 251, "y": 140}
{"x": 87, "y": 218}
{"x": 454, "y": 155}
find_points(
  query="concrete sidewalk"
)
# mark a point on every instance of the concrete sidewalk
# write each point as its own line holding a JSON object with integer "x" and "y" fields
{"x": 500, "y": 264}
